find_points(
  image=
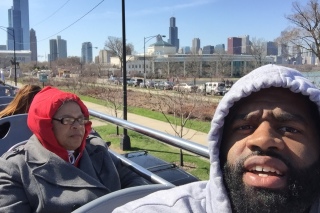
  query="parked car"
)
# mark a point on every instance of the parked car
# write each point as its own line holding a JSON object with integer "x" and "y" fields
{"x": 164, "y": 85}
{"x": 184, "y": 87}
{"x": 148, "y": 84}
{"x": 201, "y": 88}
{"x": 137, "y": 81}
{"x": 130, "y": 83}
{"x": 215, "y": 88}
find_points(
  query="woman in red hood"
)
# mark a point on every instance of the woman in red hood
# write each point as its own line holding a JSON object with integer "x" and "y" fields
{"x": 61, "y": 167}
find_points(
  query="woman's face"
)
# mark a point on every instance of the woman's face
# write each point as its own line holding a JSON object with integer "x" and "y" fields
{"x": 69, "y": 136}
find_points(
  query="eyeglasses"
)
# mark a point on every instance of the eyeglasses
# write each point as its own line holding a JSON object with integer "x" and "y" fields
{"x": 71, "y": 121}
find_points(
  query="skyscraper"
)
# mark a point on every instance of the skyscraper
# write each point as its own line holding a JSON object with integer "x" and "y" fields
{"x": 86, "y": 52}
{"x": 208, "y": 49}
{"x": 58, "y": 48}
{"x": 33, "y": 45}
{"x": 195, "y": 46}
{"x": 234, "y": 45}
{"x": 173, "y": 34}
{"x": 53, "y": 50}
{"x": 62, "y": 47}
{"x": 18, "y": 25}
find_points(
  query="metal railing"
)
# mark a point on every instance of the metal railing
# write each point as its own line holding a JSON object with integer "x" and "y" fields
{"x": 161, "y": 136}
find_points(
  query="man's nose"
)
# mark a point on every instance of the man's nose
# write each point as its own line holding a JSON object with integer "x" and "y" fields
{"x": 265, "y": 137}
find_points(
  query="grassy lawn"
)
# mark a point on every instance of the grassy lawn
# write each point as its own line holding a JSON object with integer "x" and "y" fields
{"x": 196, "y": 165}
{"x": 200, "y": 126}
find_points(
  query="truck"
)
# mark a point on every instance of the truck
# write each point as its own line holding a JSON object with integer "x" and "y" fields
{"x": 215, "y": 88}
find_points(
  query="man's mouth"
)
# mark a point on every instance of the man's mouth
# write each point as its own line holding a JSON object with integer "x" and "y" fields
{"x": 265, "y": 172}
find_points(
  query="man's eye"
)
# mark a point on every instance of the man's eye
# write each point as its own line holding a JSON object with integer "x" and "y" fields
{"x": 289, "y": 129}
{"x": 245, "y": 127}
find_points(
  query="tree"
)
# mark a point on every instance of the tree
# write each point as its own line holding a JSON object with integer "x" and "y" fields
{"x": 305, "y": 35}
{"x": 258, "y": 51}
{"x": 115, "y": 46}
{"x": 193, "y": 66}
{"x": 223, "y": 66}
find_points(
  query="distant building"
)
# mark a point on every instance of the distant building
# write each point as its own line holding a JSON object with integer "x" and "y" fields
{"x": 234, "y": 45}
{"x": 220, "y": 48}
{"x": 208, "y": 49}
{"x": 309, "y": 57}
{"x": 283, "y": 50}
{"x": 245, "y": 44}
{"x": 53, "y": 56}
{"x": 86, "y": 53}
{"x": 3, "y": 47}
{"x": 62, "y": 47}
{"x": 18, "y": 22}
{"x": 58, "y": 48}
{"x": 185, "y": 50}
{"x": 104, "y": 56}
{"x": 195, "y": 46}
{"x": 33, "y": 45}
{"x": 271, "y": 48}
{"x": 173, "y": 34}
{"x": 161, "y": 47}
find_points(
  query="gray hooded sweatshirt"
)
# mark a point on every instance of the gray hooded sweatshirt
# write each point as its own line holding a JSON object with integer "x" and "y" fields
{"x": 210, "y": 196}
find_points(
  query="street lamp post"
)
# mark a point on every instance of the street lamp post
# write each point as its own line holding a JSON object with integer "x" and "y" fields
{"x": 125, "y": 143}
{"x": 14, "y": 52}
{"x": 144, "y": 54}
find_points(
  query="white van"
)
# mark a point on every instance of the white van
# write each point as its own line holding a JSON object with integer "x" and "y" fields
{"x": 215, "y": 88}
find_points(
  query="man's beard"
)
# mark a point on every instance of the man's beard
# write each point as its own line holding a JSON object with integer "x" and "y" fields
{"x": 303, "y": 187}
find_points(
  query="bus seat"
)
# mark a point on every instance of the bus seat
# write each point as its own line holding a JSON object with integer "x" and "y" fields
{"x": 2, "y": 106}
{"x": 13, "y": 129}
{"x": 109, "y": 202}
{"x": 5, "y": 99}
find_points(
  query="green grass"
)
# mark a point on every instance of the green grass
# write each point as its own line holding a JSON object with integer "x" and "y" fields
{"x": 200, "y": 126}
{"x": 196, "y": 165}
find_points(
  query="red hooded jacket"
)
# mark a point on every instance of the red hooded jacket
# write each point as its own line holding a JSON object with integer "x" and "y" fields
{"x": 43, "y": 107}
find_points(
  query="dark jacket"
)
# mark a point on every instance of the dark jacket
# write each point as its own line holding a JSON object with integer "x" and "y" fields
{"x": 33, "y": 179}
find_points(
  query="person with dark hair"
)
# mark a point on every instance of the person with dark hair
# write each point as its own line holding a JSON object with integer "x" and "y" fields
{"x": 264, "y": 147}
{"x": 19, "y": 105}
{"x": 21, "y": 102}
{"x": 61, "y": 167}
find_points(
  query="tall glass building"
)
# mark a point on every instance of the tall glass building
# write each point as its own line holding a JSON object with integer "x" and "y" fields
{"x": 173, "y": 34}
{"x": 86, "y": 53}
{"x": 58, "y": 48}
{"x": 18, "y": 26}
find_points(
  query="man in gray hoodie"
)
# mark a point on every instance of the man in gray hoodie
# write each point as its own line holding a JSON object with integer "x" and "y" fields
{"x": 264, "y": 146}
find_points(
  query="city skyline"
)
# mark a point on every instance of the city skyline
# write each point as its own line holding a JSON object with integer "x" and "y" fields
{"x": 212, "y": 21}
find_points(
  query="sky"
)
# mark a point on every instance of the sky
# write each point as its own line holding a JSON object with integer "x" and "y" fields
{"x": 212, "y": 21}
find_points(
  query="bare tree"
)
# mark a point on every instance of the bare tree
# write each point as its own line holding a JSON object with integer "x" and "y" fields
{"x": 113, "y": 96}
{"x": 115, "y": 46}
{"x": 258, "y": 50}
{"x": 181, "y": 106}
{"x": 306, "y": 31}
{"x": 193, "y": 66}
{"x": 223, "y": 67}
{"x": 169, "y": 68}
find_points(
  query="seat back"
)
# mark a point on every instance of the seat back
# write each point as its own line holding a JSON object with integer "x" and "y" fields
{"x": 17, "y": 131}
{"x": 6, "y": 99}
{"x": 6, "y": 91}
{"x": 2, "y": 106}
{"x": 109, "y": 202}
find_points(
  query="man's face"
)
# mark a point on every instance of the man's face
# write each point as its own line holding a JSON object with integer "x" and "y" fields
{"x": 270, "y": 152}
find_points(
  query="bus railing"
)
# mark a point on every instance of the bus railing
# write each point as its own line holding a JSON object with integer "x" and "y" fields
{"x": 160, "y": 136}
{"x": 155, "y": 134}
